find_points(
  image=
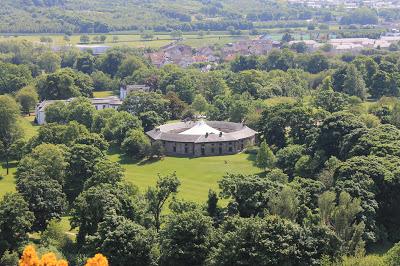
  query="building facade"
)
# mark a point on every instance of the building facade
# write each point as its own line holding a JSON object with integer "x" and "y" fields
{"x": 203, "y": 138}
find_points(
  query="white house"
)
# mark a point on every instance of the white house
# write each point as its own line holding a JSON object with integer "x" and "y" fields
{"x": 99, "y": 103}
{"x": 125, "y": 90}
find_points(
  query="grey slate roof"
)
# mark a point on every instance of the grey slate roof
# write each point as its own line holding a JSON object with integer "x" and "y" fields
{"x": 230, "y": 132}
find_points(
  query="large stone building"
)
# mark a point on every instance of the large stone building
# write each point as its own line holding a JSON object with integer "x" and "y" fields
{"x": 203, "y": 138}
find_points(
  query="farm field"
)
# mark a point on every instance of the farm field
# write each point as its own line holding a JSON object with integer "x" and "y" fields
{"x": 134, "y": 40}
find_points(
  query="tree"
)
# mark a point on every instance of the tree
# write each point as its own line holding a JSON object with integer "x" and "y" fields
{"x": 334, "y": 130}
{"x": 96, "y": 203}
{"x": 136, "y": 144}
{"x": 287, "y": 37}
{"x": 200, "y": 104}
{"x": 110, "y": 61}
{"x": 27, "y": 97}
{"x": 285, "y": 204}
{"x": 81, "y": 163}
{"x": 84, "y": 39}
{"x": 273, "y": 241}
{"x": 150, "y": 120}
{"x": 82, "y": 111}
{"x": 129, "y": 65}
{"x": 48, "y": 159}
{"x": 157, "y": 196}
{"x": 118, "y": 124}
{"x": 265, "y": 157}
{"x": 85, "y": 63}
{"x": 64, "y": 84}
{"x": 13, "y": 77}
{"x": 123, "y": 241}
{"x": 342, "y": 218}
{"x": 15, "y": 222}
{"x": 287, "y": 157}
{"x": 45, "y": 197}
{"x": 50, "y": 62}
{"x": 176, "y": 34}
{"x": 105, "y": 172}
{"x": 103, "y": 82}
{"x": 332, "y": 101}
{"x": 354, "y": 84}
{"x": 248, "y": 195}
{"x": 186, "y": 239}
{"x": 10, "y": 131}
{"x": 176, "y": 105}
{"x": 392, "y": 257}
{"x": 147, "y": 36}
{"x": 140, "y": 102}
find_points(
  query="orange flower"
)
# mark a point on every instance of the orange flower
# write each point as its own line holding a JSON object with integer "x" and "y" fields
{"x": 97, "y": 260}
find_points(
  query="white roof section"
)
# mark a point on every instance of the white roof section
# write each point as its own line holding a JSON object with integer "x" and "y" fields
{"x": 200, "y": 128}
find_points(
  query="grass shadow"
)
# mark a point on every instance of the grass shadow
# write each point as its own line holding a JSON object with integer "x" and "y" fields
{"x": 150, "y": 161}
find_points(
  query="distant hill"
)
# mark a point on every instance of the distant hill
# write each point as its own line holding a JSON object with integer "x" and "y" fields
{"x": 47, "y": 16}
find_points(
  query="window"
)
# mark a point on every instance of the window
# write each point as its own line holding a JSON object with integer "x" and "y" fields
{"x": 212, "y": 150}
{"x": 230, "y": 149}
{"x": 174, "y": 148}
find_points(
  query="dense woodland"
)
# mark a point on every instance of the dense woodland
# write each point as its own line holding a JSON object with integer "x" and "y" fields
{"x": 101, "y": 16}
{"x": 329, "y": 182}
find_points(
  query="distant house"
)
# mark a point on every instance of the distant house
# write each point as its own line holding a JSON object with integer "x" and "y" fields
{"x": 125, "y": 90}
{"x": 99, "y": 103}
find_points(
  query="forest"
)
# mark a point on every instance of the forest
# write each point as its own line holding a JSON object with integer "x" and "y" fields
{"x": 102, "y": 16}
{"x": 327, "y": 191}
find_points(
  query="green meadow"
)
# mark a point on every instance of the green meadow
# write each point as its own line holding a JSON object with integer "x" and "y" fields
{"x": 197, "y": 175}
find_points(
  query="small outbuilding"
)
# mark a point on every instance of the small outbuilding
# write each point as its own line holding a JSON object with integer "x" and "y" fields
{"x": 203, "y": 138}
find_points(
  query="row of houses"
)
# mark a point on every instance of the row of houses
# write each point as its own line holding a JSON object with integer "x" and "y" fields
{"x": 184, "y": 55}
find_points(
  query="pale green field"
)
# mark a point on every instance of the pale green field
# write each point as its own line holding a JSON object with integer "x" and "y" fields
{"x": 134, "y": 40}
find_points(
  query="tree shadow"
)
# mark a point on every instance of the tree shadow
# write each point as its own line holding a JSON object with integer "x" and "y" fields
{"x": 124, "y": 159}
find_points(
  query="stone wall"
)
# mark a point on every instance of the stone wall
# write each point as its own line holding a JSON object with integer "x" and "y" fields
{"x": 206, "y": 149}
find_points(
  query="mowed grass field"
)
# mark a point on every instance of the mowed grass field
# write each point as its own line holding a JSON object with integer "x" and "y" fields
{"x": 7, "y": 184}
{"x": 197, "y": 175}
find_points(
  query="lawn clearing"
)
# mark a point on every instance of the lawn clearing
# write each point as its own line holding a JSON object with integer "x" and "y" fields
{"x": 7, "y": 184}
{"x": 197, "y": 175}
{"x": 102, "y": 94}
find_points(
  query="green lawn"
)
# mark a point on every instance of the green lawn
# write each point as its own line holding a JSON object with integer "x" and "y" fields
{"x": 197, "y": 175}
{"x": 102, "y": 94}
{"x": 7, "y": 184}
